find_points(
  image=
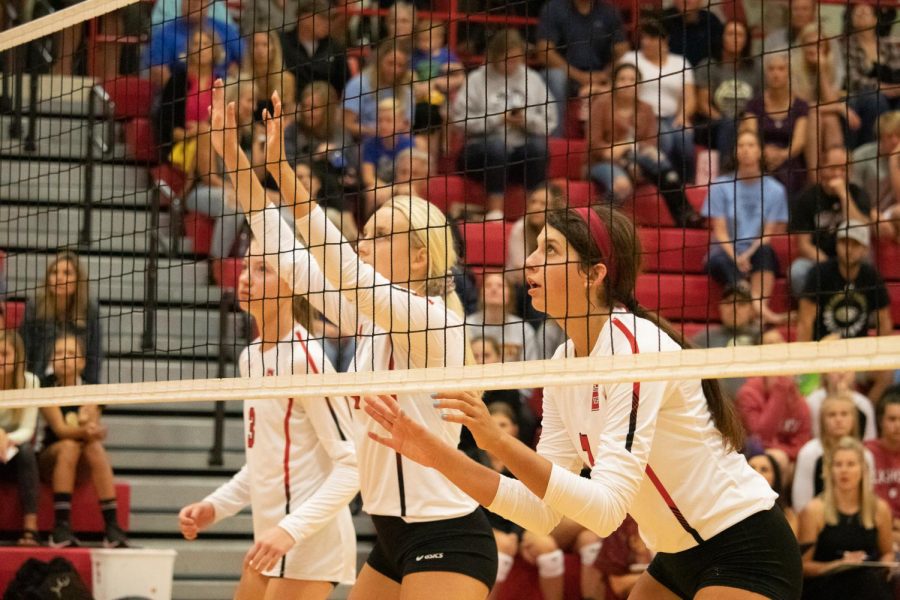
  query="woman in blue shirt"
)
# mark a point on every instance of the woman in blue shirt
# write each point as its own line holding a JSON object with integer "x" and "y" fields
{"x": 745, "y": 208}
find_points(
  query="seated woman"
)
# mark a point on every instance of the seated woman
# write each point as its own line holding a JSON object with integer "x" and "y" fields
{"x": 264, "y": 66}
{"x": 63, "y": 303}
{"x": 844, "y": 526}
{"x": 73, "y": 450}
{"x": 837, "y": 419}
{"x": 624, "y": 147}
{"x": 17, "y": 427}
{"x": 780, "y": 119}
{"x": 543, "y": 551}
{"x": 497, "y": 319}
{"x": 766, "y": 465}
{"x": 745, "y": 208}
{"x": 776, "y": 417}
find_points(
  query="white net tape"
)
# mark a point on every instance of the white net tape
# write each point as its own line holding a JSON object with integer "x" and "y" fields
{"x": 860, "y": 354}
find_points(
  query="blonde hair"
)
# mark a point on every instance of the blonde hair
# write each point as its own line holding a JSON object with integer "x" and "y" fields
{"x": 233, "y": 90}
{"x": 804, "y": 81}
{"x": 218, "y": 47}
{"x": 10, "y": 337}
{"x": 322, "y": 94}
{"x": 76, "y": 308}
{"x": 867, "y": 501}
{"x": 276, "y": 77}
{"x": 827, "y": 443}
{"x": 889, "y": 122}
{"x": 373, "y": 70}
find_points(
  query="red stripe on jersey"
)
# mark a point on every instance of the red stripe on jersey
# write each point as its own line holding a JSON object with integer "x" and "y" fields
{"x": 635, "y": 388}
{"x": 672, "y": 506}
{"x": 309, "y": 359}
{"x": 287, "y": 455}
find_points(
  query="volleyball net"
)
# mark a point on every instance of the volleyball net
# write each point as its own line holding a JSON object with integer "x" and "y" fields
{"x": 104, "y": 155}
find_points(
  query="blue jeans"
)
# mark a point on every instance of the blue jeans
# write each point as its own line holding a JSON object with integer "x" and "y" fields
{"x": 491, "y": 161}
{"x": 677, "y": 143}
{"x": 869, "y": 106}
{"x": 725, "y": 272}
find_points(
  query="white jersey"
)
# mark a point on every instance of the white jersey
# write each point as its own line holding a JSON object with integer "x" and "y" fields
{"x": 301, "y": 466}
{"x": 653, "y": 450}
{"x": 394, "y": 329}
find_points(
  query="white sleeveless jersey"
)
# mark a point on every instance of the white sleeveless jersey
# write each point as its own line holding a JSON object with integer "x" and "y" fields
{"x": 394, "y": 329}
{"x": 301, "y": 466}
{"x": 653, "y": 450}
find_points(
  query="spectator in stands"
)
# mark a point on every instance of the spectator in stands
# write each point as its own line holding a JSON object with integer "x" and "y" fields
{"x": 264, "y": 65}
{"x": 17, "y": 429}
{"x": 63, "y": 304}
{"x": 818, "y": 211}
{"x": 667, "y": 85}
{"x": 411, "y": 168}
{"x": 694, "y": 32}
{"x": 766, "y": 465}
{"x": 497, "y": 319}
{"x": 837, "y": 420}
{"x": 170, "y": 43}
{"x": 578, "y": 42}
{"x": 310, "y": 53}
{"x": 380, "y": 151}
{"x": 169, "y": 10}
{"x": 400, "y": 22}
{"x": 622, "y": 560}
{"x": 873, "y": 67}
{"x": 72, "y": 446}
{"x": 813, "y": 73}
{"x": 845, "y": 295}
{"x": 739, "y": 326}
{"x": 745, "y": 208}
{"x": 846, "y": 524}
{"x": 780, "y": 118}
{"x": 776, "y": 416}
{"x": 800, "y": 14}
{"x": 726, "y": 82}
{"x": 438, "y": 75}
{"x": 841, "y": 383}
{"x": 503, "y": 110}
{"x": 886, "y": 452}
{"x": 543, "y": 551}
{"x": 875, "y": 167}
{"x": 387, "y": 76}
{"x": 624, "y": 147}
{"x": 488, "y": 351}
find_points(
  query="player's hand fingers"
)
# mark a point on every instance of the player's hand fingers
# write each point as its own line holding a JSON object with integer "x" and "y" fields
{"x": 458, "y": 405}
{"x": 384, "y": 441}
{"x": 391, "y": 403}
{"x": 375, "y": 411}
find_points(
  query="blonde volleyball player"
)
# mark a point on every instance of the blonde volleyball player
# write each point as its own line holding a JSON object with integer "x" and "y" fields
{"x": 300, "y": 472}
{"x": 664, "y": 452}
{"x": 396, "y": 299}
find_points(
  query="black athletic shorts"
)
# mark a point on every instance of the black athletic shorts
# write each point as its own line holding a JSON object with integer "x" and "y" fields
{"x": 463, "y": 545}
{"x": 759, "y": 554}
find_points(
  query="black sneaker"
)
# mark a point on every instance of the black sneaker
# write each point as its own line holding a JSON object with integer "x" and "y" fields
{"x": 62, "y": 537}
{"x": 115, "y": 538}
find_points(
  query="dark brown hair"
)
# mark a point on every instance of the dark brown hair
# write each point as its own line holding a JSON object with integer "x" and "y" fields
{"x": 626, "y": 248}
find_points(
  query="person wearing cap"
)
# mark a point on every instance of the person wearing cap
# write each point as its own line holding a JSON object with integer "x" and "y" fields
{"x": 309, "y": 51}
{"x": 817, "y": 212}
{"x": 843, "y": 295}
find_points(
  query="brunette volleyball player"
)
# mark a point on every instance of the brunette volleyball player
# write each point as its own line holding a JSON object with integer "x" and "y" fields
{"x": 300, "y": 472}
{"x": 396, "y": 298}
{"x": 664, "y": 452}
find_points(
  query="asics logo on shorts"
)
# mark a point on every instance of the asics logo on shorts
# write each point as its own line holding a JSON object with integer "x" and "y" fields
{"x": 434, "y": 556}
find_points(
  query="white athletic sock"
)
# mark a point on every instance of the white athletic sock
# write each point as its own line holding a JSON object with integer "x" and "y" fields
{"x": 504, "y": 566}
{"x": 551, "y": 564}
{"x": 589, "y": 553}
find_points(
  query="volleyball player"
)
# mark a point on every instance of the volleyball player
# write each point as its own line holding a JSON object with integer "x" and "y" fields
{"x": 300, "y": 472}
{"x": 396, "y": 298}
{"x": 664, "y": 452}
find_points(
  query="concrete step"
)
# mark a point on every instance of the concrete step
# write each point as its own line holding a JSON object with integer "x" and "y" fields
{"x": 164, "y": 434}
{"x": 59, "y": 95}
{"x": 232, "y": 408}
{"x": 59, "y": 137}
{"x": 63, "y": 182}
{"x": 214, "y": 589}
{"x": 133, "y": 370}
{"x": 174, "y": 462}
{"x": 147, "y": 523}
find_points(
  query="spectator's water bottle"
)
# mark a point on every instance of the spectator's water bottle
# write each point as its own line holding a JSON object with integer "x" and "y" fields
{"x": 336, "y": 160}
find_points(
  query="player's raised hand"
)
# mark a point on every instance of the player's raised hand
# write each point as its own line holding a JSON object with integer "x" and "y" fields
{"x": 274, "y": 135}
{"x": 217, "y": 117}
{"x": 406, "y": 436}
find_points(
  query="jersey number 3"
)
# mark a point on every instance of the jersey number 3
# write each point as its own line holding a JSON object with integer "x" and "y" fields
{"x": 251, "y": 429}
{"x": 586, "y": 446}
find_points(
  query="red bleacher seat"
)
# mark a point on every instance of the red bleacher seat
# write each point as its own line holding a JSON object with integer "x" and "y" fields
{"x": 199, "y": 228}
{"x": 132, "y": 96}
{"x": 86, "y": 516}
{"x": 446, "y": 190}
{"x": 567, "y": 158}
{"x": 514, "y": 201}
{"x": 647, "y": 208}
{"x": 696, "y": 195}
{"x": 679, "y": 298}
{"x": 170, "y": 182}
{"x": 2, "y": 261}
{"x": 485, "y": 243}
{"x": 785, "y": 249}
{"x": 226, "y": 272}
{"x": 578, "y": 193}
{"x": 894, "y": 292}
{"x": 12, "y": 558}
{"x": 673, "y": 250}
{"x": 522, "y": 582}
{"x": 15, "y": 314}
{"x": 887, "y": 257}
{"x": 140, "y": 140}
